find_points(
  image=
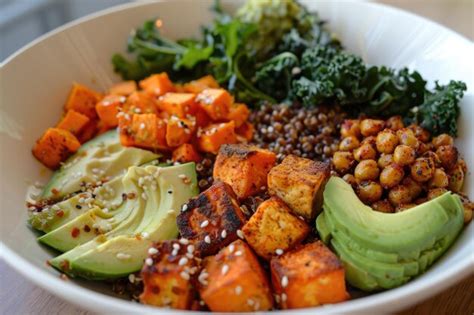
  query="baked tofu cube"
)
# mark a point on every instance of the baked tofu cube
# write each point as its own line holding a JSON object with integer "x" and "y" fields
{"x": 234, "y": 281}
{"x": 157, "y": 84}
{"x": 140, "y": 102}
{"x": 213, "y": 136}
{"x": 186, "y": 153}
{"x": 216, "y": 103}
{"x": 300, "y": 182}
{"x": 55, "y": 146}
{"x": 108, "y": 109}
{"x": 74, "y": 122}
{"x": 178, "y": 131}
{"x": 168, "y": 275}
{"x": 272, "y": 229}
{"x": 211, "y": 219}
{"x": 244, "y": 168}
{"x": 83, "y": 100}
{"x": 199, "y": 85}
{"x": 308, "y": 276}
{"x": 124, "y": 88}
{"x": 179, "y": 104}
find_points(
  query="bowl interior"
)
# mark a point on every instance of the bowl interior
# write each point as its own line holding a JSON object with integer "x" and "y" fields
{"x": 34, "y": 84}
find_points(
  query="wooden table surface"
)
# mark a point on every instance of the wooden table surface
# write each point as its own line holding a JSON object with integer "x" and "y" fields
{"x": 19, "y": 296}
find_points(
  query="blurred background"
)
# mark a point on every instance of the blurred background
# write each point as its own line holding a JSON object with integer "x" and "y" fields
{"x": 21, "y": 21}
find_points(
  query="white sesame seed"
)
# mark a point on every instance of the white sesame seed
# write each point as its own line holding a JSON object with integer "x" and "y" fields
{"x": 240, "y": 234}
{"x": 223, "y": 234}
{"x": 184, "y": 207}
{"x": 238, "y": 253}
{"x": 152, "y": 251}
{"x": 142, "y": 126}
{"x": 189, "y": 255}
{"x": 131, "y": 278}
{"x": 145, "y": 235}
{"x": 184, "y": 241}
{"x": 225, "y": 269}
{"x": 170, "y": 211}
{"x": 185, "y": 275}
{"x": 231, "y": 248}
{"x": 250, "y": 302}
{"x": 279, "y": 251}
{"x": 149, "y": 261}
{"x": 144, "y": 197}
{"x": 203, "y": 276}
{"x": 55, "y": 207}
{"x": 190, "y": 248}
{"x": 204, "y": 223}
{"x": 284, "y": 281}
{"x": 123, "y": 256}
{"x": 176, "y": 246}
{"x": 106, "y": 210}
{"x": 201, "y": 302}
{"x": 238, "y": 290}
{"x": 183, "y": 261}
{"x": 207, "y": 239}
{"x": 277, "y": 298}
{"x": 174, "y": 252}
{"x": 283, "y": 297}
{"x": 182, "y": 176}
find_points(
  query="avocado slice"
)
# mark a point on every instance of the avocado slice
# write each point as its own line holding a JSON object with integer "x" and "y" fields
{"x": 122, "y": 250}
{"x": 100, "y": 158}
{"x": 380, "y": 250}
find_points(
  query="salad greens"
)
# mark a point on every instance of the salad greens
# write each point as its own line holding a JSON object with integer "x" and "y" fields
{"x": 278, "y": 51}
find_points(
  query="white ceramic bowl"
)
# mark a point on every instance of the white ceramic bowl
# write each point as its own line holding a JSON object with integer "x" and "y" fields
{"x": 35, "y": 81}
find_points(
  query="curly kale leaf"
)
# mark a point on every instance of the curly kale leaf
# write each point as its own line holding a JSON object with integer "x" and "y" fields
{"x": 440, "y": 110}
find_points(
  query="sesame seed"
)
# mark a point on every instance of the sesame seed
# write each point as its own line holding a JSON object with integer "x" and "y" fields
{"x": 170, "y": 211}
{"x": 207, "y": 239}
{"x": 183, "y": 261}
{"x": 190, "y": 255}
{"x": 203, "y": 276}
{"x": 223, "y": 234}
{"x": 279, "y": 251}
{"x": 284, "y": 281}
{"x": 144, "y": 197}
{"x": 182, "y": 176}
{"x": 185, "y": 275}
{"x": 174, "y": 252}
{"x": 190, "y": 248}
{"x": 184, "y": 207}
{"x": 250, "y": 302}
{"x": 131, "y": 278}
{"x": 283, "y": 297}
{"x": 145, "y": 235}
{"x": 176, "y": 246}
{"x": 184, "y": 241}
{"x": 152, "y": 251}
{"x": 142, "y": 126}
{"x": 240, "y": 234}
{"x": 123, "y": 256}
{"x": 55, "y": 207}
{"x": 231, "y": 248}
{"x": 238, "y": 253}
{"x": 238, "y": 290}
{"x": 204, "y": 223}
{"x": 225, "y": 269}
{"x": 149, "y": 261}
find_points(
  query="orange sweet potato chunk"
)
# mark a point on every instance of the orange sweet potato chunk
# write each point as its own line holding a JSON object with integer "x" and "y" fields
{"x": 55, "y": 146}
{"x": 89, "y": 131}
{"x": 244, "y": 168}
{"x": 142, "y": 130}
{"x": 234, "y": 281}
{"x": 199, "y": 85}
{"x": 245, "y": 131}
{"x": 124, "y": 88}
{"x": 157, "y": 84}
{"x": 178, "y": 131}
{"x": 179, "y": 104}
{"x": 213, "y": 136}
{"x": 83, "y": 100}
{"x": 73, "y": 121}
{"x": 140, "y": 102}
{"x": 307, "y": 276}
{"x": 108, "y": 109}
{"x": 239, "y": 113}
{"x": 216, "y": 103}
{"x": 186, "y": 153}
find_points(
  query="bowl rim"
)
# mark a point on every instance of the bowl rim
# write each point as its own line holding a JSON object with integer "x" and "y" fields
{"x": 403, "y": 296}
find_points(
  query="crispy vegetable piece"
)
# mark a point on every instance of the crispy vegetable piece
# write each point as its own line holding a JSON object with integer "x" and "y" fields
{"x": 108, "y": 109}
{"x": 83, "y": 100}
{"x": 300, "y": 182}
{"x": 124, "y": 88}
{"x": 213, "y": 136}
{"x": 157, "y": 84}
{"x": 202, "y": 118}
{"x": 308, "y": 276}
{"x": 205, "y": 218}
{"x": 199, "y": 85}
{"x": 179, "y": 104}
{"x": 244, "y": 168}
{"x": 186, "y": 153}
{"x": 140, "y": 102}
{"x": 55, "y": 146}
{"x": 142, "y": 130}
{"x": 168, "y": 280}
{"x": 178, "y": 131}
{"x": 216, "y": 103}
{"x": 233, "y": 281}
{"x": 272, "y": 228}
{"x": 89, "y": 131}
{"x": 73, "y": 121}
{"x": 246, "y": 131}
{"x": 239, "y": 113}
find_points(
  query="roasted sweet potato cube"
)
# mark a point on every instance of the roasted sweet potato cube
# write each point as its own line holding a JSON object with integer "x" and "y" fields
{"x": 168, "y": 276}
{"x": 83, "y": 100}
{"x": 299, "y": 182}
{"x": 124, "y": 88}
{"x": 272, "y": 229}
{"x": 140, "y": 102}
{"x": 216, "y": 103}
{"x": 211, "y": 219}
{"x": 213, "y": 136}
{"x": 178, "y": 131}
{"x": 108, "y": 109}
{"x": 202, "y": 118}
{"x": 244, "y": 168}
{"x": 73, "y": 121}
{"x": 245, "y": 131}
{"x": 234, "y": 281}
{"x": 309, "y": 275}
{"x": 142, "y": 130}
{"x": 186, "y": 153}
{"x": 179, "y": 104}
{"x": 239, "y": 113}
{"x": 199, "y": 85}
{"x": 157, "y": 84}
{"x": 89, "y": 131}
{"x": 55, "y": 146}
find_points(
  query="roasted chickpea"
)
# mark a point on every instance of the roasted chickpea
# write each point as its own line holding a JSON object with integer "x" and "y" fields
{"x": 422, "y": 169}
{"x": 404, "y": 155}
{"x": 407, "y": 137}
{"x": 385, "y": 160}
{"x": 370, "y": 127}
{"x": 421, "y": 134}
{"x": 386, "y": 141}
{"x": 350, "y": 127}
{"x": 448, "y": 155}
{"x": 342, "y": 161}
{"x": 467, "y": 215}
{"x": 419, "y": 201}
{"x": 349, "y": 143}
{"x": 439, "y": 179}
{"x": 404, "y": 207}
{"x": 369, "y": 140}
{"x": 369, "y": 191}
{"x": 456, "y": 178}
{"x": 395, "y": 123}
{"x": 383, "y": 206}
{"x": 468, "y": 208}
{"x": 366, "y": 170}
{"x": 399, "y": 195}
{"x": 442, "y": 139}
{"x": 391, "y": 175}
{"x": 365, "y": 152}
{"x": 424, "y": 147}
{"x": 350, "y": 179}
{"x": 435, "y": 192}
{"x": 434, "y": 157}
{"x": 413, "y": 186}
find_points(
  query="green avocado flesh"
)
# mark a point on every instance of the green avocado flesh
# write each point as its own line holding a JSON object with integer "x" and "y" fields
{"x": 100, "y": 158}
{"x": 384, "y": 250}
{"x": 150, "y": 216}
